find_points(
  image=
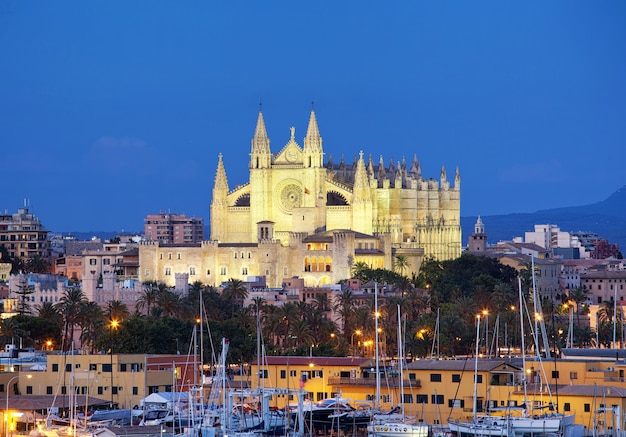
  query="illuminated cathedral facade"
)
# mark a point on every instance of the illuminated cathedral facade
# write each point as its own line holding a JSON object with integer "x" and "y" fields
{"x": 299, "y": 215}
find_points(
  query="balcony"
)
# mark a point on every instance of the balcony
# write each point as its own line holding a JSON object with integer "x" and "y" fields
{"x": 371, "y": 382}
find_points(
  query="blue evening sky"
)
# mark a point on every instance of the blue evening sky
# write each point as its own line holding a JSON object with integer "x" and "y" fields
{"x": 111, "y": 110}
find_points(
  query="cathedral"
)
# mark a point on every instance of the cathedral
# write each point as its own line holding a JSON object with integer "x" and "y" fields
{"x": 298, "y": 192}
{"x": 302, "y": 216}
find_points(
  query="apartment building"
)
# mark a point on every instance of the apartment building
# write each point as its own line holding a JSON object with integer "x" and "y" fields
{"x": 173, "y": 228}
{"x": 23, "y": 235}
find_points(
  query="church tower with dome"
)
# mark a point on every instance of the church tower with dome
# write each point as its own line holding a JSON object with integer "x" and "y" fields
{"x": 295, "y": 192}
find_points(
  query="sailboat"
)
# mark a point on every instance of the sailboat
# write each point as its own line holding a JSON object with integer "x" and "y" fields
{"x": 529, "y": 421}
{"x": 397, "y": 425}
{"x": 484, "y": 425}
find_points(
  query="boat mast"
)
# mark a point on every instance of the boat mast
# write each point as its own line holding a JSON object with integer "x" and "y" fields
{"x": 523, "y": 345}
{"x": 376, "y": 328}
{"x": 400, "y": 361}
{"x": 475, "y": 400}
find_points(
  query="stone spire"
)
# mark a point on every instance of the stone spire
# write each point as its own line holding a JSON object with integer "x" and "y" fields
{"x": 313, "y": 151}
{"x": 415, "y": 171}
{"x": 398, "y": 181}
{"x": 457, "y": 179}
{"x": 261, "y": 156}
{"x": 370, "y": 167}
{"x": 360, "y": 191}
{"x": 220, "y": 185}
{"x": 260, "y": 142}
{"x": 382, "y": 174}
{"x": 442, "y": 176}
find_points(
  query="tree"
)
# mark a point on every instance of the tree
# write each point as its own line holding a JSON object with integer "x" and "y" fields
{"x": 117, "y": 310}
{"x": 236, "y": 292}
{"x": 38, "y": 264}
{"x": 70, "y": 306}
{"x": 10, "y": 329}
{"x": 148, "y": 295}
{"x": 91, "y": 320}
{"x": 23, "y": 292}
{"x": 401, "y": 263}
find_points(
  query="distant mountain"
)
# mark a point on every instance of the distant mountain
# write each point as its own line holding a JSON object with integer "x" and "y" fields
{"x": 606, "y": 218}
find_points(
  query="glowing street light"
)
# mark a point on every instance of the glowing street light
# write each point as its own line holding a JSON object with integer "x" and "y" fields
{"x": 6, "y": 411}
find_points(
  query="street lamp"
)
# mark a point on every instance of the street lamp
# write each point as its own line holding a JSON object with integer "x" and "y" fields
{"x": 6, "y": 411}
{"x": 114, "y": 324}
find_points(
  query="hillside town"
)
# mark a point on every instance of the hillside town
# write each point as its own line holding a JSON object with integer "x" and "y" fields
{"x": 319, "y": 282}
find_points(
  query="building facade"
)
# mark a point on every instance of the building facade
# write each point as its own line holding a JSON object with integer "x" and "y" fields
{"x": 23, "y": 235}
{"x": 173, "y": 228}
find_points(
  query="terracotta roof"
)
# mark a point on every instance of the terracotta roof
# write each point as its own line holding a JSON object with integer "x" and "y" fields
{"x": 460, "y": 365}
{"x": 317, "y": 361}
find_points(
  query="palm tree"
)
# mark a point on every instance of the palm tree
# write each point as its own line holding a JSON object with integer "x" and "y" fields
{"x": 11, "y": 328}
{"x": 148, "y": 296}
{"x": 92, "y": 321}
{"x": 47, "y": 310}
{"x": 70, "y": 307}
{"x": 117, "y": 310}
{"x": 579, "y": 296}
{"x": 344, "y": 306}
{"x": 38, "y": 264}
{"x": 237, "y": 292}
{"x": 169, "y": 302}
{"x": 360, "y": 271}
{"x": 401, "y": 263}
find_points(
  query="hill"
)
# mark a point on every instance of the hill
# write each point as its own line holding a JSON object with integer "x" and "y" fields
{"x": 606, "y": 218}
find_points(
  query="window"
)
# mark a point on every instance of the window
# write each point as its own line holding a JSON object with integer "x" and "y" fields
{"x": 283, "y": 374}
{"x": 412, "y": 377}
{"x": 114, "y": 390}
{"x": 435, "y": 377}
{"x": 192, "y": 271}
{"x": 244, "y": 271}
{"x": 587, "y": 408}
{"x": 63, "y": 390}
{"x": 208, "y": 272}
{"x": 68, "y": 367}
{"x": 567, "y": 406}
{"x": 456, "y": 403}
{"x": 29, "y": 389}
{"x": 573, "y": 375}
{"x": 106, "y": 367}
{"x": 55, "y": 367}
{"x": 92, "y": 261}
{"x": 264, "y": 374}
{"x": 555, "y": 374}
{"x": 123, "y": 367}
{"x": 100, "y": 390}
{"x": 147, "y": 272}
{"x": 479, "y": 379}
{"x": 49, "y": 390}
{"x": 223, "y": 271}
{"x": 408, "y": 398}
{"x": 178, "y": 256}
{"x": 436, "y": 399}
{"x": 292, "y": 373}
{"x": 135, "y": 391}
{"x": 456, "y": 377}
{"x": 106, "y": 261}
{"x": 169, "y": 256}
{"x": 235, "y": 255}
{"x": 168, "y": 271}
